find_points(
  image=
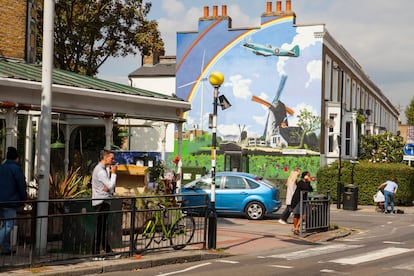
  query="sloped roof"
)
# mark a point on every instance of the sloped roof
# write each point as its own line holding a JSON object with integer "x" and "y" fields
{"x": 21, "y": 88}
{"x": 157, "y": 70}
{"x": 33, "y": 72}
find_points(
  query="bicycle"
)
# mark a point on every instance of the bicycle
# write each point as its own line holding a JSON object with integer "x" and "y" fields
{"x": 166, "y": 224}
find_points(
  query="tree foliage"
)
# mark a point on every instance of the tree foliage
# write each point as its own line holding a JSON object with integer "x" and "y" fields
{"x": 309, "y": 123}
{"x": 88, "y": 32}
{"x": 382, "y": 148}
{"x": 409, "y": 113}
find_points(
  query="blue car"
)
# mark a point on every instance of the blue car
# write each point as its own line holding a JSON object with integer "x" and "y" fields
{"x": 236, "y": 193}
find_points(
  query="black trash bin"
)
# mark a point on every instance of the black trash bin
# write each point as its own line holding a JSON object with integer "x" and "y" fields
{"x": 350, "y": 197}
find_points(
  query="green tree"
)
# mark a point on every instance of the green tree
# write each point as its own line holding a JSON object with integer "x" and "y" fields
{"x": 88, "y": 32}
{"x": 382, "y": 148}
{"x": 409, "y": 113}
{"x": 309, "y": 123}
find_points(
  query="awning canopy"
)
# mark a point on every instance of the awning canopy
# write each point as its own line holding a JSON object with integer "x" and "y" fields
{"x": 21, "y": 88}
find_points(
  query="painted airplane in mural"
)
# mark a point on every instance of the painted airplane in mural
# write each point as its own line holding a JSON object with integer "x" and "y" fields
{"x": 278, "y": 111}
{"x": 268, "y": 50}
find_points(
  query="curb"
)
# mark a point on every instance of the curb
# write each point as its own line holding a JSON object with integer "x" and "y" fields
{"x": 123, "y": 264}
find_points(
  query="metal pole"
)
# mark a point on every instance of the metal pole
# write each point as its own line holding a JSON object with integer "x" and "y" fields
{"x": 339, "y": 184}
{"x": 45, "y": 126}
{"x": 212, "y": 223}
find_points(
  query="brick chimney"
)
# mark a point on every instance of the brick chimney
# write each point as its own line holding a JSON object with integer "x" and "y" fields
{"x": 279, "y": 12}
{"x": 152, "y": 59}
{"x": 215, "y": 15}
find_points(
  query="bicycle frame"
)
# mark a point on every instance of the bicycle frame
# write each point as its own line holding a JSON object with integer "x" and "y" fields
{"x": 179, "y": 231}
{"x": 159, "y": 221}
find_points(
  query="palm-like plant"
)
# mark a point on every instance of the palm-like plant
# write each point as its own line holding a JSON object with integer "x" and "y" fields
{"x": 65, "y": 187}
{"x": 70, "y": 186}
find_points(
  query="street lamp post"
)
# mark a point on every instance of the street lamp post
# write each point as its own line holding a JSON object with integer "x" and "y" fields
{"x": 339, "y": 184}
{"x": 215, "y": 79}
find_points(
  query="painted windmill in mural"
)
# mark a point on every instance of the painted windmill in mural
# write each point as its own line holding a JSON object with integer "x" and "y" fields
{"x": 278, "y": 111}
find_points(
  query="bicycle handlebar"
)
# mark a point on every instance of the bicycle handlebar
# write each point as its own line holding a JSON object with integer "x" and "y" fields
{"x": 159, "y": 204}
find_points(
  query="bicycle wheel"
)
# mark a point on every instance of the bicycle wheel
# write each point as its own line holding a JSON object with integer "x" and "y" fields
{"x": 182, "y": 232}
{"x": 145, "y": 235}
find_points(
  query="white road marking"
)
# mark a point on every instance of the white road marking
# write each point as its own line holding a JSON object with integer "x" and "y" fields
{"x": 281, "y": 266}
{"x": 371, "y": 256}
{"x": 184, "y": 270}
{"x": 227, "y": 261}
{"x": 333, "y": 271}
{"x": 405, "y": 267}
{"x": 315, "y": 251}
{"x": 351, "y": 240}
{"x": 393, "y": 242}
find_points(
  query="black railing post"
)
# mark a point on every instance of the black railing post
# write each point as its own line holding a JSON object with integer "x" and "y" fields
{"x": 132, "y": 227}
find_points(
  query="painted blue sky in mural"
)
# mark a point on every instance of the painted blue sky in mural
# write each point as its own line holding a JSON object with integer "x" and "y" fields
{"x": 247, "y": 74}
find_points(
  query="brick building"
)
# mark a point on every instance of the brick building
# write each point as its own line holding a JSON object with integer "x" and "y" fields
{"x": 17, "y": 18}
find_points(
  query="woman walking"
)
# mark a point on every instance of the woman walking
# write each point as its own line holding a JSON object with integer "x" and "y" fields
{"x": 303, "y": 186}
{"x": 290, "y": 190}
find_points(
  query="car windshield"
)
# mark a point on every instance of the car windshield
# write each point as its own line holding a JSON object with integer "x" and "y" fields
{"x": 202, "y": 183}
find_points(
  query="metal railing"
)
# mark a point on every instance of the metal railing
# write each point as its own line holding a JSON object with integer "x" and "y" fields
{"x": 71, "y": 227}
{"x": 316, "y": 213}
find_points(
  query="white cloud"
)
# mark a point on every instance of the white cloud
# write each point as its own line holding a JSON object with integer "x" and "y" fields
{"x": 260, "y": 120}
{"x": 314, "y": 69}
{"x": 304, "y": 38}
{"x": 293, "y": 120}
{"x": 241, "y": 87}
{"x": 228, "y": 130}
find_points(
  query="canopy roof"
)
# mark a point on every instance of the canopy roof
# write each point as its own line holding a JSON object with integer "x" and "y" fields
{"x": 21, "y": 88}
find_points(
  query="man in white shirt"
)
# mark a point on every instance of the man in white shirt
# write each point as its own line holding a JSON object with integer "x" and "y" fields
{"x": 390, "y": 190}
{"x": 103, "y": 186}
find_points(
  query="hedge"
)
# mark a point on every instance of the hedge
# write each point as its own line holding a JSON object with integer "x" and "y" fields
{"x": 367, "y": 177}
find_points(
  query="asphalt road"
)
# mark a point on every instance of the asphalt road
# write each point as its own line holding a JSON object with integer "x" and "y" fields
{"x": 379, "y": 245}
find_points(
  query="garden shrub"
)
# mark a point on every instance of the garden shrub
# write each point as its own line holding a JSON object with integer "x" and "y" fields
{"x": 367, "y": 177}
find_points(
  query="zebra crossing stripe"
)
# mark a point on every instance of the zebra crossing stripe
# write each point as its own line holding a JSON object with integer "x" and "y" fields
{"x": 371, "y": 256}
{"x": 315, "y": 251}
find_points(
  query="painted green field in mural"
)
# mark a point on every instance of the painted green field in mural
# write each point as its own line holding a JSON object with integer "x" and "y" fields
{"x": 269, "y": 166}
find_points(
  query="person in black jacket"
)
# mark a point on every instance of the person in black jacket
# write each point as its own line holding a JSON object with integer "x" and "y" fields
{"x": 305, "y": 186}
{"x": 13, "y": 192}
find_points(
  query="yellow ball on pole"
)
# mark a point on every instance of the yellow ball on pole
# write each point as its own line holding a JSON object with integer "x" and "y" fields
{"x": 216, "y": 78}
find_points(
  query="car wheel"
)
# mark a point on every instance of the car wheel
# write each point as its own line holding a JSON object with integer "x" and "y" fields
{"x": 255, "y": 210}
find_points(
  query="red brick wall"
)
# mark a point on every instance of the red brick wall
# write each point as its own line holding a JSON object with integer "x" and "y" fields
{"x": 13, "y": 28}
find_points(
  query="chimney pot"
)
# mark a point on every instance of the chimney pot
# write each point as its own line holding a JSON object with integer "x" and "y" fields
{"x": 288, "y": 5}
{"x": 224, "y": 10}
{"x": 215, "y": 10}
{"x": 205, "y": 11}
{"x": 278, "y": 6}
{"x": 268, "y": 7}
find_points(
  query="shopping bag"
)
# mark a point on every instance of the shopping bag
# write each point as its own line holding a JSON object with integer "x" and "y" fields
{"x": 379, "y": 197}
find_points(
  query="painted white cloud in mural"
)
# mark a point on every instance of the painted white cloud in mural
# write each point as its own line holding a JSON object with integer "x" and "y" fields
{"x": 260, "y": 120}
{"x": 230, "y": 132}
{"x": 240, "y": 86}
{"x": 190, "y": 122}
{"x": 314, "y": 69}
{"x": 293, "y": 120}
{"x": 304, "y": 38}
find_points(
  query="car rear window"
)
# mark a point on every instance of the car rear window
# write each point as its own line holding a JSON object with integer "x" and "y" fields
{"x": 267, "y": 182}
{"x": 252, "y": 184}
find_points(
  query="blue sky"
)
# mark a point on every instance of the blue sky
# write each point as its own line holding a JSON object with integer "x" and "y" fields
{"x": 376, "y": 33}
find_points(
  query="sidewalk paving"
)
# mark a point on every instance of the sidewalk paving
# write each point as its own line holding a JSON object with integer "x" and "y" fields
{"x": 232, "y": 239}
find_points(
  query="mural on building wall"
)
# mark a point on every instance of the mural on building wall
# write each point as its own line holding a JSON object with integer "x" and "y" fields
{"x": 272, "y": 80}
